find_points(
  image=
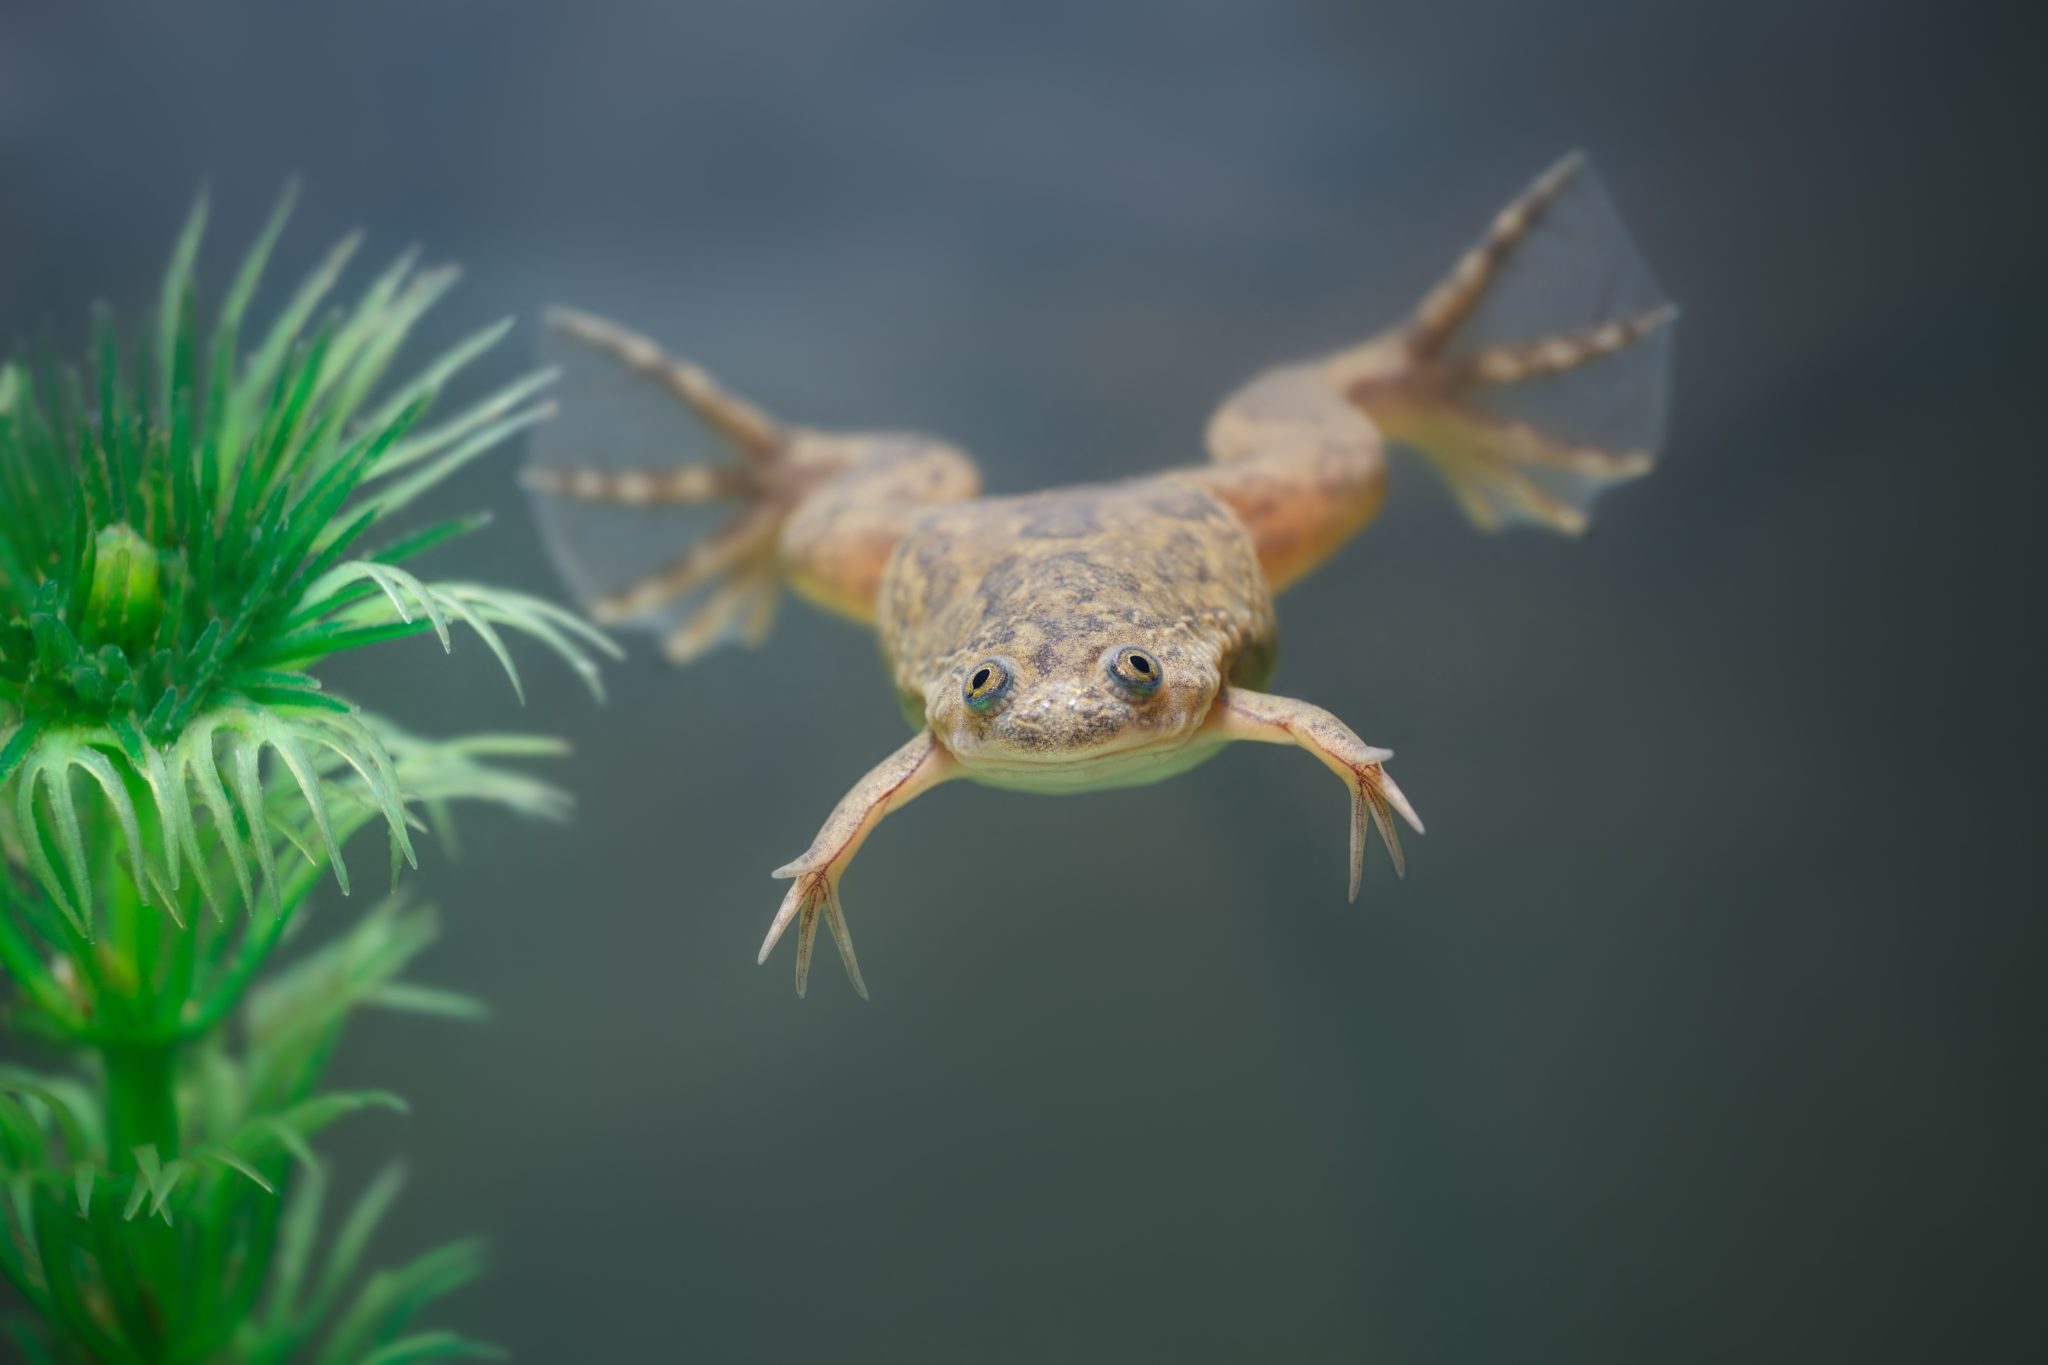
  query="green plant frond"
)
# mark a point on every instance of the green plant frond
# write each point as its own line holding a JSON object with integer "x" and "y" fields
{"x": 351, "y": 1240}
{"x": 298, "y": 1231}
{"x": 175, "y": 302}
{"x": 292, "y": 1130}
{"x": 212, "y": 798}
{"x": 393, "y": 1298}
{"x": 323, "y": 985}
{"x": 240, "y": 735}
{"x": 405, "y": 599}
{"x": 369, "y": 341}
{"x": 428, "y": 381}
{"x": 229, "y": 1161}
{"x": 46, "y": 768}
{"x": 423, "y": 1346}
{"x": 159, "y": 1178}
{"x": 253, "y": 385}
{"x": 406, "y": 997}
{"x": 69, "y": 1115}
{"x": 20, "y": 736}
{"x": 563, "y": 631}
{"x": 397, "y": 495}
{"x": 295, "y": 1018}
{"x": 470, "y": 425}
{"x": 462, "y": 770}
{"x": 376, "y": 1323}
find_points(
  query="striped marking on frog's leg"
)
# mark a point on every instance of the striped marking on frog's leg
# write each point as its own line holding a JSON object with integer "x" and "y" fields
{"x": 1561, "y": 353}
{"x": 1241, "y": 714}
{"x": 1452, "y": 301}
{"x": 915, "y": 768}
{"x": 754, "y": 433}
{"x": 685, "y": 486}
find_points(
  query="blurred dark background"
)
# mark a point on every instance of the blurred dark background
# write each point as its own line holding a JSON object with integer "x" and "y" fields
{"x": 1706, "y": 1025}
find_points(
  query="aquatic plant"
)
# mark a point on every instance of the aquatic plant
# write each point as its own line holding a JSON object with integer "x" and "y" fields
{"x": 189, "y": 529}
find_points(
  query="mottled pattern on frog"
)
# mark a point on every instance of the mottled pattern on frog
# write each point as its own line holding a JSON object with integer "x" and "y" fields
{"x": 1051, "y": 584}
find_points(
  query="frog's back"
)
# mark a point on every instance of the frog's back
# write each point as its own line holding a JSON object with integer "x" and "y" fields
{"x": 1156, "y": 561}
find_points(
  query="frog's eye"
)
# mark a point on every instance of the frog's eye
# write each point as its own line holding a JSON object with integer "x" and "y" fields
{"x": 985, "y": 682}
{"x": 1137, "y": 670}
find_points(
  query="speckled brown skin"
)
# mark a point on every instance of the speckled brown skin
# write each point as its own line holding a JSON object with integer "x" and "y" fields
{"x": 1048, "y": 590}
{"x": 1050, "y": 585}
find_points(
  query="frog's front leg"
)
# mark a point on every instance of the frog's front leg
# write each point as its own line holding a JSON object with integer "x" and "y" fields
{"x": 921, "y": 764}
{"x": 1238, "y": 713}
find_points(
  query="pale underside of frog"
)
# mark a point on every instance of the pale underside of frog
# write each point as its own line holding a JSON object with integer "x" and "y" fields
{"x": 1114, "y": 634}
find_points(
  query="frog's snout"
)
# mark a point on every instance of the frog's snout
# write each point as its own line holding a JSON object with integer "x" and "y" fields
{"x": 1060, "y": 716}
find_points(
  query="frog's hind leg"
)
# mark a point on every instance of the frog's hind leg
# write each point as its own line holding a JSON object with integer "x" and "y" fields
{"x": 817, "y": 510}
{"x": 1533, "y": 377}
{"x": 1535, "y": 374}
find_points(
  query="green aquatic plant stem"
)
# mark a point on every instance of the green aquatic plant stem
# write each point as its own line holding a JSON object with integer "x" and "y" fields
{"x": 142, "y": 1098}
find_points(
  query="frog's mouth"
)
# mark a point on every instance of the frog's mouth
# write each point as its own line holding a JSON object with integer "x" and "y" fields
{"x": 1124, "y": 765}
{"x": 1065, "y": 740}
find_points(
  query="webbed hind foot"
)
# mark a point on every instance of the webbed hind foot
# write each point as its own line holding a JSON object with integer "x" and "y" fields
{"x": 1484, "y": 377}
{"x": 734, "y": 564}
{"x": 821, "y": 509}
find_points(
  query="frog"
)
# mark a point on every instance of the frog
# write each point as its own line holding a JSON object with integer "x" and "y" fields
{"x": 1115, "y": 634}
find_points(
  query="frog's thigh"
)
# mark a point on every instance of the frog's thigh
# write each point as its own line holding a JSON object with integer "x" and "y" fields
{"x": 839, "y": 537}
{"x": 1241, "y": 714}
{"x": 1302, "y": 468}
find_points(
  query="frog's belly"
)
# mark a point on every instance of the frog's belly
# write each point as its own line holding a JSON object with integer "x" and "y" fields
{"x": 1129, "y": 768}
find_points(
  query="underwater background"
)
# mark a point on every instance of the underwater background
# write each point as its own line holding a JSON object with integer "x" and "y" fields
{"x": 1697, "y": 1030}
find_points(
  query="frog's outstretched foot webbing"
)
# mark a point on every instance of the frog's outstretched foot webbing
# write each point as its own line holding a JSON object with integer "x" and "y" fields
{"x": 818, "y": 510}
{"x": 897, "y": 779}
{"x": 614, "y": 522}
{"x": 1534, "y": 375}
{"x": 1241, "y": 714}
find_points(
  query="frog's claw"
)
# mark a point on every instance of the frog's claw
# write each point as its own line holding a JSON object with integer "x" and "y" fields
{"x": 814, "y": 893}
{"x": 1241, "y": 714}
{"x": 1372, "y": 789}
{"x": 1485, "y": 376}
{"x": 911, "y": 770}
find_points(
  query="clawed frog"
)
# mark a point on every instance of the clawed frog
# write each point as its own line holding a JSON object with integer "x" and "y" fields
{"x": 1115, "y": 634}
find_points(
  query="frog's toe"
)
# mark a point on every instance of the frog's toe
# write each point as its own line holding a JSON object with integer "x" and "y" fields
{"x": 814, "y": 894}
{"x": 835, "y": 920}
{"x": 1374, "y": 801}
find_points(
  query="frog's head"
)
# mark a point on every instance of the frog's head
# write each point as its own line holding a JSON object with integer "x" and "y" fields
{"x": 1073, "y": 708}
